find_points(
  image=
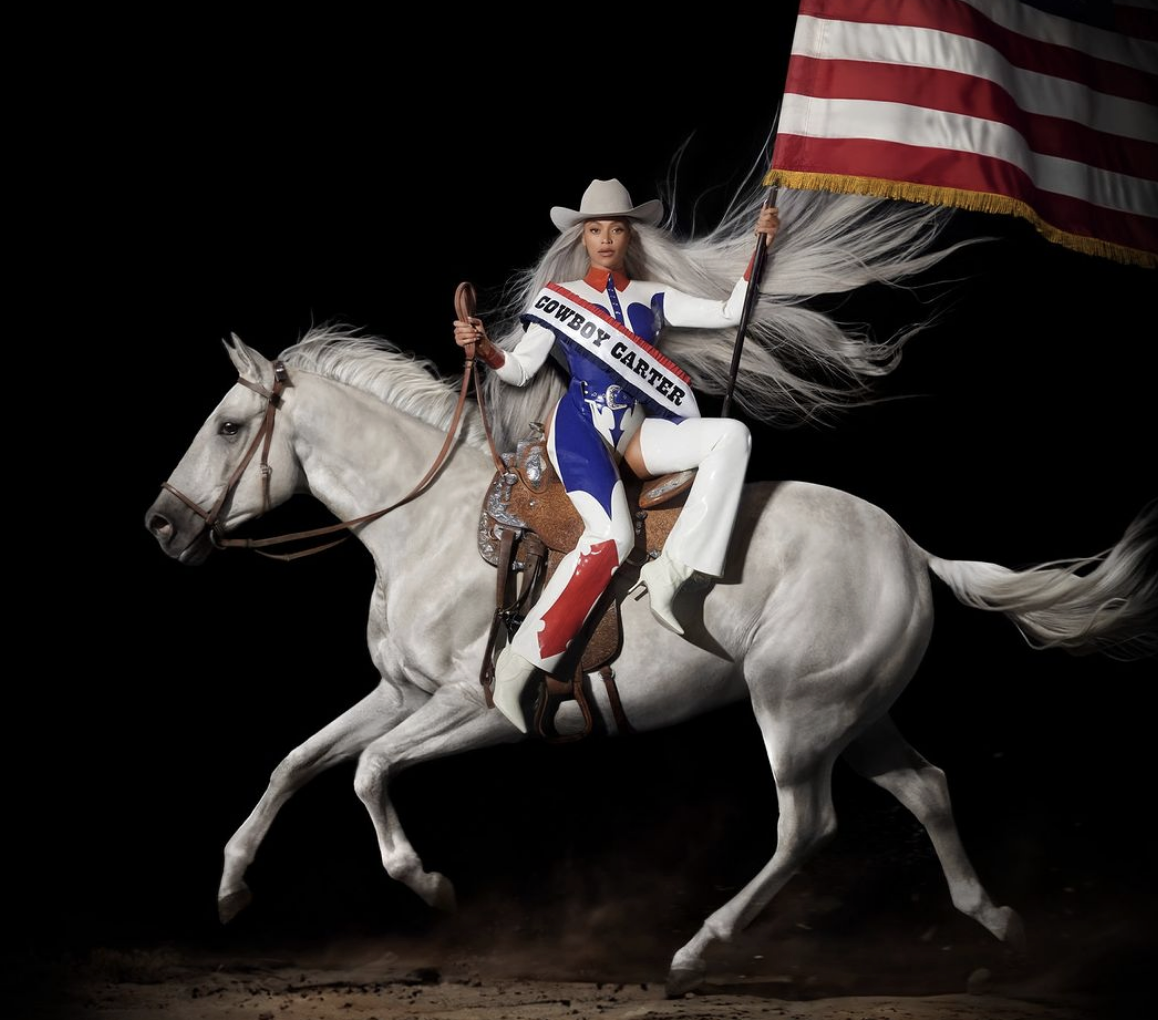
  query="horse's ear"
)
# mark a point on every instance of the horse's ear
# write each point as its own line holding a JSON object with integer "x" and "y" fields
{"x": 248, "y": 362}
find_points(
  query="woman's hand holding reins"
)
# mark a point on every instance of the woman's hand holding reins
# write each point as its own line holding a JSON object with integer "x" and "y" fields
{"x": 471, "y": 335}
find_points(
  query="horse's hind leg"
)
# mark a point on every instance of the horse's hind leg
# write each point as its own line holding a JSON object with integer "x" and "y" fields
{"x": 883, "y": 756}
{"x": 339, "y": 741}
{"x": 803, "y": 773}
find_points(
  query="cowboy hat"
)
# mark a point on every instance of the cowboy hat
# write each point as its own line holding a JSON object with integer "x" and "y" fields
{"x": 607, "y": 200}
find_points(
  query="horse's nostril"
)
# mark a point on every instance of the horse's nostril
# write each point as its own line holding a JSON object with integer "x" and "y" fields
{"x": 159, "y": 525}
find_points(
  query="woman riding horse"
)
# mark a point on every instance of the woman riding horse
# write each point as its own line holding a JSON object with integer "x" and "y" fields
{"x": 625, "y": 401}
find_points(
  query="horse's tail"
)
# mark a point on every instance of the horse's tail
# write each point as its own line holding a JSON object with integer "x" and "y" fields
{"x": 1106, "y": 603}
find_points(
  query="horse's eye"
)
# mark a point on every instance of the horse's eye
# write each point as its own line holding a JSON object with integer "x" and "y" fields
{"x": 229, "y": 428}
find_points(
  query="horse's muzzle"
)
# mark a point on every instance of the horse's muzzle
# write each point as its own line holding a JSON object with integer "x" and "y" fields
{"x": 180, "y": 533}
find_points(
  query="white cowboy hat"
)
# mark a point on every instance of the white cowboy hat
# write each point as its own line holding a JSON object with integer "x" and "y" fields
{"x": 607, "y": 200}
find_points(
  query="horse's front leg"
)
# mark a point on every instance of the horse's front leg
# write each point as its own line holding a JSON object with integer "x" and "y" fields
{"x": 455, "y": 720}
{"x": 339, "y": 741}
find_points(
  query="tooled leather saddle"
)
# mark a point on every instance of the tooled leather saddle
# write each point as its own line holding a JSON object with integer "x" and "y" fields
{"x": 526, "y": 526}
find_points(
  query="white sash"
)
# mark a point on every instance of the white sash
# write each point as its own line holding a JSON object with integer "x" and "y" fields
{"x": 646, "y": 374}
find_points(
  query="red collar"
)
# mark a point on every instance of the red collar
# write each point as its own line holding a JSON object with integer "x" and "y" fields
{"x": 596, "y": 279}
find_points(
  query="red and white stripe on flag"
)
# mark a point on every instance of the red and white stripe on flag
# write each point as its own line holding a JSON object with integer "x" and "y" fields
{"x": 993, "y": 105}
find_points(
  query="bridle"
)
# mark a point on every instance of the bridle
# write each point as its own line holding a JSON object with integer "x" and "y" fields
{"x": 264, "y": 439}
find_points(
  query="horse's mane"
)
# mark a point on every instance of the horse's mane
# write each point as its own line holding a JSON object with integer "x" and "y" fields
{"x": 379, "y": 368}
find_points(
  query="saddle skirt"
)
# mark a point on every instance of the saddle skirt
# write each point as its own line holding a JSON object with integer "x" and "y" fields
{"x": 527, "y": 524}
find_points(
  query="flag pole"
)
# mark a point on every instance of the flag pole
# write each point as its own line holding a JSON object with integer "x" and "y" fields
{"x": 754, "y": 276}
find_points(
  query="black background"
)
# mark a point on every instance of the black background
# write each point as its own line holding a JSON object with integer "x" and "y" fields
{"x": 242, "y": 187}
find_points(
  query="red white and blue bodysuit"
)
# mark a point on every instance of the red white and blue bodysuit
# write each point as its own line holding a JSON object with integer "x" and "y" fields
{"x": 605, "y": 327}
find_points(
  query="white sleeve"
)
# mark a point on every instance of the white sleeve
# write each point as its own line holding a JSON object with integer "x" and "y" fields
{"x": 527, "y": 356}
{"x": 684, "y": 310}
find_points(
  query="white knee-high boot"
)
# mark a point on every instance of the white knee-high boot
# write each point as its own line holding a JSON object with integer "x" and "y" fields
{"x": 560, "y": 611}
{"x": 698, "y": 543}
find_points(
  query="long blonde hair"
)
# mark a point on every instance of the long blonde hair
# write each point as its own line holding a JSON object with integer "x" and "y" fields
{"x": 799, "y": 363}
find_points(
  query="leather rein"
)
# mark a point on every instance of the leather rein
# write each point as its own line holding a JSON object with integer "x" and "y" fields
{"x": 464, "y": 307}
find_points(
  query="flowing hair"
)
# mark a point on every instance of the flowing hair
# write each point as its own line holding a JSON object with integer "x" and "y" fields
{"x": 799, "y": 364}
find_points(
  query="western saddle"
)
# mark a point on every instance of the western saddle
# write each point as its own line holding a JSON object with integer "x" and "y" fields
{"x": 526, "y": 526}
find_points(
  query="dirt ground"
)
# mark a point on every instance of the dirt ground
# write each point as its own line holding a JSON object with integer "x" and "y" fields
{"x": 817, "y": 979}
{"x": 319, "y": 995}
{"x": 390, "y": 987}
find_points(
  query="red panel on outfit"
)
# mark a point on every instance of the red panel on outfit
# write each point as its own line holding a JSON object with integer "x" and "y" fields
{"x": 592, "y": 575}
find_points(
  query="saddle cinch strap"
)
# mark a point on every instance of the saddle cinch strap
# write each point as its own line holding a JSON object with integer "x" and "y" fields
{"x": 527, "y": 525}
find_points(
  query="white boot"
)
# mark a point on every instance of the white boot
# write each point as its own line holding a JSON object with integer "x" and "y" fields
{"x": 718, "y": 449}
{"x": 664, "y": 577}
{"x": 512, "y": 674}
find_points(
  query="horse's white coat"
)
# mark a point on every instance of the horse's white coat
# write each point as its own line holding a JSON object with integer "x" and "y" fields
{"x": 821, "y": 621}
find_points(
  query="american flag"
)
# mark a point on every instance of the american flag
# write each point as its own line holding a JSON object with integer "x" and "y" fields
{"x": 1046, "y": 110}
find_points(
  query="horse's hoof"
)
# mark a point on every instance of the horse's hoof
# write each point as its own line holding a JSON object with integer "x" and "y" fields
{"x": 1014, "y": 931}
{"x": 439, "y": 893}
{"x": 681, "y": 980}
{"x": 228, "y": 907}
{"x": 979, "y": 982}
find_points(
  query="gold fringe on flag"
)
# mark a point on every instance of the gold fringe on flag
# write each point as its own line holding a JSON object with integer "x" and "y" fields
{"x": 973, "y": 201}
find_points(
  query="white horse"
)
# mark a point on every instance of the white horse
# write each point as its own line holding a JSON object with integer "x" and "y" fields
{"x": 821, "y": 622}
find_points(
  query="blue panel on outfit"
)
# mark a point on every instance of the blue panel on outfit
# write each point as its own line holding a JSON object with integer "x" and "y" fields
{"x": 585, "y": 462}
{"x": 641, "y": 322}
